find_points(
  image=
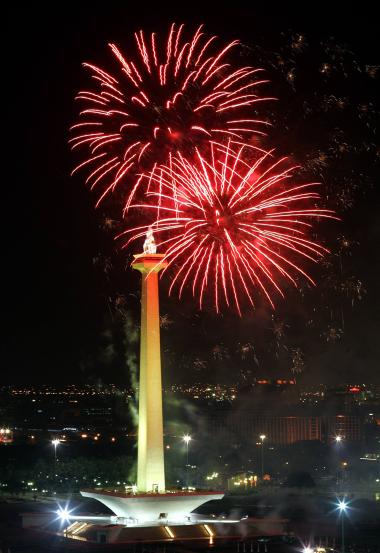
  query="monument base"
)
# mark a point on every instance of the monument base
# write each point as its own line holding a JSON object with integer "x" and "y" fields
{"x": 150, "y": 509}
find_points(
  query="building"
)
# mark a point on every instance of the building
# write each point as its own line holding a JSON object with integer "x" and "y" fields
{"x": 245, "y": 425}
{"x": 349, "y": 427}
{"x": 281, "y": 430}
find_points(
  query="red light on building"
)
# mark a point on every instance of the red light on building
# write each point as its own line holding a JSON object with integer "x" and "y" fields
{"x": 354, "y": 389}
{"x": 6, "y": 436}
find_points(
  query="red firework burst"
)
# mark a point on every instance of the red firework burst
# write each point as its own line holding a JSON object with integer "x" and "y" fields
{"x": 232, "y": 226}
{"x": 167, "y": 97}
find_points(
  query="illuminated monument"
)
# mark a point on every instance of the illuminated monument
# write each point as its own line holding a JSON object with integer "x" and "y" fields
{"x": 152, "y": 504}
{"x": 150, "y": 456}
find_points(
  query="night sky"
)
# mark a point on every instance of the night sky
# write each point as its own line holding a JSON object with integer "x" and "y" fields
{"x": 70, "y": 302}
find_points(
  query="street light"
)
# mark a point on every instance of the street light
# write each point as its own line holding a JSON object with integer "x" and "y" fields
{"x": 342, "y": 506}
{"x": 338, "y": 439}
{"x": 64, "y": 516}
{"x": 55, "y": 443}
{"x": 187, "y": 439}
{"x": 262, "y": 438}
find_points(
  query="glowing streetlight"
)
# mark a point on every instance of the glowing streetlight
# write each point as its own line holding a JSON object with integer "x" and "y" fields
{"x": 187, "y": 439}
{"x": 55, "y": 443}
{"x": 338, "y": 439}
{"x": 64, "y": 515}
{"x": 307, "y": 549}
{"x": 262, "y": 438}
{"x": 342, "y": 507}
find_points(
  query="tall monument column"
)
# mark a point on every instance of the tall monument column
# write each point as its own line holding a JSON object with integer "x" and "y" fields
{"x": 150, "y": 456}
{"x": 155, "y": 508}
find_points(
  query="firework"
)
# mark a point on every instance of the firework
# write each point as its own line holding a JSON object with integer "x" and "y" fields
{"x": 298, "y": 363}
{"x": 230, "y": 225}
{"x": 169, "y": 96}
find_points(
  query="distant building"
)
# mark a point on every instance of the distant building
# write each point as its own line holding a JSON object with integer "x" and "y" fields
{"x": 285, "y": 430}
{"x": 279, "y": 430}
{"x": 349, "y": 427}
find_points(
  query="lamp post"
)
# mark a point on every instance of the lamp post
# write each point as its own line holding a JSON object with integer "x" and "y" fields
{"x": 55, "y": 443}
{"x": 187, "y": 439}
{"x": 342, "y": 506}
{"x": 262, "y": 438}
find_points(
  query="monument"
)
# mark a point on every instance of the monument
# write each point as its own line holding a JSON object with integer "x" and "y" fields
{"x": 151, "y": 503}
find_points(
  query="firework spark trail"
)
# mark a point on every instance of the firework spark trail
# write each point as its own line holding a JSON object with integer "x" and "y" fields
{"x": 178, "y": 95}
{"x": 231, "y": 227}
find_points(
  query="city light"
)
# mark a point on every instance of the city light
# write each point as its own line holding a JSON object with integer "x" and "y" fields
{"x": 342, "y": 505}
{"x": 55, "y": 444}
{"x": 212, "y": 476}
{"x": 307, "y": 550}
{"x": 187, "y": 439}
{"x": 64, "y": 514}
{"x": 210, "y": 533}
{"x": 169, "y": 532}
{"x": 6, "y": 435}
{"x": 338, "y": 439}
{"x": 262, "y": 438}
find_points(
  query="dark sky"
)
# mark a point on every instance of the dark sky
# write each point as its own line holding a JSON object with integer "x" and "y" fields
{"x": 62, "y": 269}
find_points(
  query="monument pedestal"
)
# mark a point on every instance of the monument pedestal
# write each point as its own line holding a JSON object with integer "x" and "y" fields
{"x": 153, "y": 508}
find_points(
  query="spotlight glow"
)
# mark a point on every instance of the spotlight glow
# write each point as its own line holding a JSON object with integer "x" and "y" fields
{"x": 64, "y": 514}
{"x": 342, "y": 505}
